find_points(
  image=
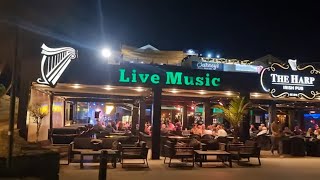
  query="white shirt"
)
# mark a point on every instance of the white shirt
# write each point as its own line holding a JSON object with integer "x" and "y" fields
{"x": 208, "y": 132}
{"x": 222, "y": 133}
{"x": 262, "y": 132}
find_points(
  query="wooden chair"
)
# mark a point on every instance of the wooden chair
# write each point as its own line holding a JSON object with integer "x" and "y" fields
{"x": 134, "y": 152}
{"x": 175, "y": 152}
{"x": 248, "y": 150}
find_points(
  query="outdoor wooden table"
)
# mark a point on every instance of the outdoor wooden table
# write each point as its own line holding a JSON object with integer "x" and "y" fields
{"x": 118, "y": 134}
{"x": 202, "y": 156}
{"x": 178, "y": 137}
{"x": 114, "y": 154}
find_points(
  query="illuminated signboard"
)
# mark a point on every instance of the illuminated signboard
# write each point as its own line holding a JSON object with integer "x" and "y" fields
{"x": 54, "y": 62}
{"x": 290, "y": 80}
{"x": 171, "y": 78}
{"x": 207, "y": 65}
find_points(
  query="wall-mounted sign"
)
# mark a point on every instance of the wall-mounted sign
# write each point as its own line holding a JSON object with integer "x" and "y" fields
{"x": 207, "y": 65}
{"x": 226, "y": 61}
{"x": 54, "y": 62}
{"x": 290, "y": 80}
{"x": 171, "y": 78}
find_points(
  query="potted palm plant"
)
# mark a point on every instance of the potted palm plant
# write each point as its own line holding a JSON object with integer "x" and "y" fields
{"x": 234, "y": 113}
{"x": 38, "y": 112}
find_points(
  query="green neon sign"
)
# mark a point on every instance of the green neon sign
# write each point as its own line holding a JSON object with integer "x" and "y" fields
{"x": 172, "y": 78}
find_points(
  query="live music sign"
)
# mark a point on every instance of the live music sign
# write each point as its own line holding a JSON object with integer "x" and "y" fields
{"x": 290, "y": 80}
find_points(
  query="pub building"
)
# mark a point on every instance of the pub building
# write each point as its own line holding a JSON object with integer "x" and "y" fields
{"x": 146, "y": 85}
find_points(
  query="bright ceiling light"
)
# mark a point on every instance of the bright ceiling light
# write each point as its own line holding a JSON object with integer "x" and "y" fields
{"x": 256, "y": 94}
{"x": 209, "y": 55}
{"x": 174, "y": 91}
{"x": 109, "y": 108}
{"x": 106, "y": 52}
{"x": 108, "y": 88}
{"x": 139, "y": 89}
{"x": 202, "y": 92}
{"x": 218, "y": 56}
{"x": 76, "y": 86}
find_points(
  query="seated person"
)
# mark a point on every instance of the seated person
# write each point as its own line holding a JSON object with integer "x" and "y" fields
{"x": 252, "y": 131}
{"x": 221, "y": 132}
{"x": 287, "y": 132}
{"x": 171, "y": 126}
{"x": 297, "y": 130}
{"x": 263, "y": 131}
{"x": 98, "y": 127}
{"x": 164, "y": 130}
{"x": 208, "y": 130}
{"x": 109, "y": 128}
{"x": 317, "y": 133}
{"x": 309, "y": 133}
{"x": 197, "y": 129}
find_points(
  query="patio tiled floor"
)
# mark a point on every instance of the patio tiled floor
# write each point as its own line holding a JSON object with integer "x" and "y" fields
{"x": 282, "y": 168}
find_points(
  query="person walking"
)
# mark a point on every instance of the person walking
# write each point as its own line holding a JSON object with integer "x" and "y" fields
{"x": 276, "y": 135}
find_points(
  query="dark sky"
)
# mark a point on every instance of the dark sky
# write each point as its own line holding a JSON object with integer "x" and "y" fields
{"x": 235, "y": 29}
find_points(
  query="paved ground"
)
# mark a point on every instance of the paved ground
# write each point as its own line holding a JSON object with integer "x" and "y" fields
{"x": 276, "y": 168}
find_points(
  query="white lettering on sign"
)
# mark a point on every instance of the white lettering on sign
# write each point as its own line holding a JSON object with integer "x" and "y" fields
{"x": 292, "y": 80}
{"x": 204, "y": 65}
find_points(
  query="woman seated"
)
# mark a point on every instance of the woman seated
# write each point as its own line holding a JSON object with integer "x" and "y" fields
{"x": 164, "y": 130}
{"x": 297, "y": 130}
{"x": 309, "y": 133}
{"x": 197, "y": 129}
{"x": 287, "y": 132}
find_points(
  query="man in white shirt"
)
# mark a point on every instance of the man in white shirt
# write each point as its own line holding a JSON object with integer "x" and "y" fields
{"x": 263, "y": 131}
{"x": 221, "y": 132}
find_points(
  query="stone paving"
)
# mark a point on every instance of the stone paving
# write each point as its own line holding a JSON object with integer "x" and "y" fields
{"x": 273, "y": 168}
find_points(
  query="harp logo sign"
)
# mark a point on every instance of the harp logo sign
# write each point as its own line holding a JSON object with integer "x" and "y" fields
{"x": 54, "y": 62}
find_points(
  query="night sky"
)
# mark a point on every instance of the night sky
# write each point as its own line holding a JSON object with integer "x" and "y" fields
{"x": 243, "y": 30}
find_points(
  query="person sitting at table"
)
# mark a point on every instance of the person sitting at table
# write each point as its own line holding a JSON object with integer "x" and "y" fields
{"x": 208, "y": 130}
{"x": 309, "y": 132}
{"x": 98, "y": 127}
{"x": 263, "y": 131}
{"x": 287, "y": 132}
{"x": 252, "y": 131}
{"x": 261, "y": 126}
{"x": 109, "y": 128}
{"x": 297, "y": 130}
{"x": 147, "y": 129}
{"x": 317, "y": 132}
{"x": 171, "y": 126}
{"x": 221, "y": 132}
{"x": 197, "y": 129}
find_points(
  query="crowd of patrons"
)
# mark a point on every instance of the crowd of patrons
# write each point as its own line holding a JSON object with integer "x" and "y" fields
{"x": 284, "y": 131}
{"x": 198, "y": 128}
{"x": 111, "y": 126}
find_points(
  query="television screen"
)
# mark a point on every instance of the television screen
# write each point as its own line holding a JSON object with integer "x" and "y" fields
{"x": 311, "y": 120}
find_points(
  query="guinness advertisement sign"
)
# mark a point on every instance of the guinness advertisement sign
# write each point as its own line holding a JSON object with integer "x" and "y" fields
{"x": 290, "y": 80}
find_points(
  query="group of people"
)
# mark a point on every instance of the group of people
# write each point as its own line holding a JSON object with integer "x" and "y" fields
{"x": 216, "y": 130}
{"x": 277, "y": 131}
{"x": 111, "y": 126}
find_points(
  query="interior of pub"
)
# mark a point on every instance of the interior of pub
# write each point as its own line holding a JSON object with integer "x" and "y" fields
{"x": 79, "y": 105}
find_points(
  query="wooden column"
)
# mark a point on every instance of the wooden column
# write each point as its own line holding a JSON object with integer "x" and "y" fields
{"x": 156, "y": 123}
{"x": 185, "y": 117}
{"x": 207, "y": 113}
{"x": 135, "y": 118}
{"x": 142, "y": 115}
{"x": 24, "y": 95}
{"x": 272, "y": 113}
{"x": 51, "y": 110}
{"x": 245, "y": 124}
